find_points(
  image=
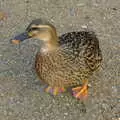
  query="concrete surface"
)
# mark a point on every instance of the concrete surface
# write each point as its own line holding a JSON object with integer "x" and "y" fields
{"x": 21, "y": 97}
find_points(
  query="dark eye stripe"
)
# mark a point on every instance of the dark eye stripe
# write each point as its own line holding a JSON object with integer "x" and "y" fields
{"x": 32, "y": 29}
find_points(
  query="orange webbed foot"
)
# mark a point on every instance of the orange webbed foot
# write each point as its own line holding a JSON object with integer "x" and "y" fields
{"x": 81, "y": 92}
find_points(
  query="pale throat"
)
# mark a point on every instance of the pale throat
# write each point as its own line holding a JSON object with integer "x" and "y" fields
{"x": 49, "y": 46}
{"x": 50, "y": 42}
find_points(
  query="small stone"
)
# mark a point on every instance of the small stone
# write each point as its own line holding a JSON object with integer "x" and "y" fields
{"x": 114, "y": 8}
{"x": 104, "y": 18}
{"x": 10, "y": 113}
{"x": 87, "y": 17}
{"x": 18, "y": 102}
{"x": 5, "y": 112}
{"x": 27, "y": 1}
{"x": 64, "y": 117}
{"x": 24, "y": 85}
{"x": 66, "y": 114}
{"x": 47, "y": 115}
{"x": 95, "y": 4}
{"x": 33, "y": 118}
{"x": 84, "y": 26}
{"x": 81, "y": 4}
{"x": 90, "y": 22}
{"x": 1, "y": 94}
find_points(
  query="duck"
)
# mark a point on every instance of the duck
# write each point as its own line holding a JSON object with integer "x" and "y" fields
{"x": 65, "y": 61}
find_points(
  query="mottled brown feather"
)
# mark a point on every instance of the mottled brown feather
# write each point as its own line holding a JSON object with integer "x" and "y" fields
{"x": 77, "y": 56}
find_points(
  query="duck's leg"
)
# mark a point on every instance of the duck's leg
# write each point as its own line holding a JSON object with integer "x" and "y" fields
{"x": 54, "y": 90}
{"x": 81, "y": 92}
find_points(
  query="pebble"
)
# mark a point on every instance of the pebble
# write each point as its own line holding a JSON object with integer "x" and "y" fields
{"x": 1, "y": 94}
{"x": 5, "y": 112}
{"x": 66, "y": 114}
{"x": 27, "y": 1}
{"x": 114, "y": 8}
{"x": 84, "y": 26}
{"x": 81, "y": 4}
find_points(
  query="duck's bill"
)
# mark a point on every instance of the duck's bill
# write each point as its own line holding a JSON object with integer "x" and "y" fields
{"x": 19, "y": 38}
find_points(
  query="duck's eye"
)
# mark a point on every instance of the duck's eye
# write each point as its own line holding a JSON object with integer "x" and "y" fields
{"x": 33, "y": 29}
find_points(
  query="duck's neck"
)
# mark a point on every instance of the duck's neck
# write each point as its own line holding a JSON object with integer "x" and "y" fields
{"x": 51, "y": 42}
{"x": 50, "y": 45}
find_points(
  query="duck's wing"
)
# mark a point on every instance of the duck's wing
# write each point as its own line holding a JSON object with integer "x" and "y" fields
{"x": 83, "y": 45}
{"x": 92, "y": 53}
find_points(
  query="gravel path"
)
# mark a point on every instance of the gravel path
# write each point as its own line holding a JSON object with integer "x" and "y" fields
{"x": 21, "y": 95}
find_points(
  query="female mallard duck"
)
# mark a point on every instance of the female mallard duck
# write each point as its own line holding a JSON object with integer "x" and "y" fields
{"x": 65, "y": 61}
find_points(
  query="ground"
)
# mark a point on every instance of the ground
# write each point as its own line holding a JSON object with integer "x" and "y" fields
{"x": 21, "y": 94}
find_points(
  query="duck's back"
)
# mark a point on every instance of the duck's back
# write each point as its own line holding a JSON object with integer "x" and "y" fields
{"x": 83, "y": 44}
{"x": 76, "y": 58}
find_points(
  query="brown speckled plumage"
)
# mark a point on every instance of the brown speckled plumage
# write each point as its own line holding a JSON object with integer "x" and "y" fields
{"x": 77, "y": 56}
{"x": 65, "y": 61}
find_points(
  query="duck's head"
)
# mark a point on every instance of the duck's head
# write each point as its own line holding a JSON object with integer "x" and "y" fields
{"x": 39, "y": 29}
